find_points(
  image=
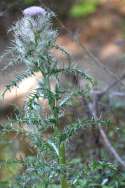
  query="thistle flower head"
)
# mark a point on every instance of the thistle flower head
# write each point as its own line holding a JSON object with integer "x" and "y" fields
{"x": 34, "y": 36}
{"x": 34, "y": 11}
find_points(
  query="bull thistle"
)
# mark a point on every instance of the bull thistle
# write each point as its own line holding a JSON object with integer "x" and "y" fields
{"x": 33, "y": 45}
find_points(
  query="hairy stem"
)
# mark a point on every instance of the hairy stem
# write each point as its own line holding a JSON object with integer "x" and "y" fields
{"x": 62, "y": 161}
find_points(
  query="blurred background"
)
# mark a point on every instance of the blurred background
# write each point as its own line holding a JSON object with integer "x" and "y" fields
{"x": 93, "y": 31}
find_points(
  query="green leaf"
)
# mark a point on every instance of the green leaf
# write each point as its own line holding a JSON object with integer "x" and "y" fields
{"x": 53, "y": 145}
{"x": 84, "y": 8}
{"x": 65, "y": 100}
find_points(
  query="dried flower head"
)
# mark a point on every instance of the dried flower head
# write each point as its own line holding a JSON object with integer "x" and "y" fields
{"x": 34, "y": 11}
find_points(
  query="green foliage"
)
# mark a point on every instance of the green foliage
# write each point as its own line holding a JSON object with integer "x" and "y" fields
{"x": 84, "y": 8}
{"x": 101, "y": 174}
{"x": 29, "y": 2}
{"x": 7, "y": 170}
{"x": 16, "y": 5}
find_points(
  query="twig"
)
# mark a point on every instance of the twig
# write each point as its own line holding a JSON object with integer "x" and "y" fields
{"x": 111, "y": 148}
{"x": 120, "y": 94}
{"x": 113, "y": 85}
{"x": 98, "y": 61}
{"x": 93, "y": 110}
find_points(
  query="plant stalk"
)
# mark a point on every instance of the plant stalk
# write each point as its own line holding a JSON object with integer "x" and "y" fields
{"x": 62, "y": 161}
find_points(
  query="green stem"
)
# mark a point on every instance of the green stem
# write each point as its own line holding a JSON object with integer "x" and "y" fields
{"x": 62, "y": 161}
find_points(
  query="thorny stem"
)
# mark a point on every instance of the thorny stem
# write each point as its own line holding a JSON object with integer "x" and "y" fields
{"x": 62, "y": 161}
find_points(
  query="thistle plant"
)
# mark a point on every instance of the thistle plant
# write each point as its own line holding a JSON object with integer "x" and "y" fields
{"x": 33, "y": 45}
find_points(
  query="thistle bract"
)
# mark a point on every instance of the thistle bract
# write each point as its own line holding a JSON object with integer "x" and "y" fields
{"x": 33, "y": 36}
